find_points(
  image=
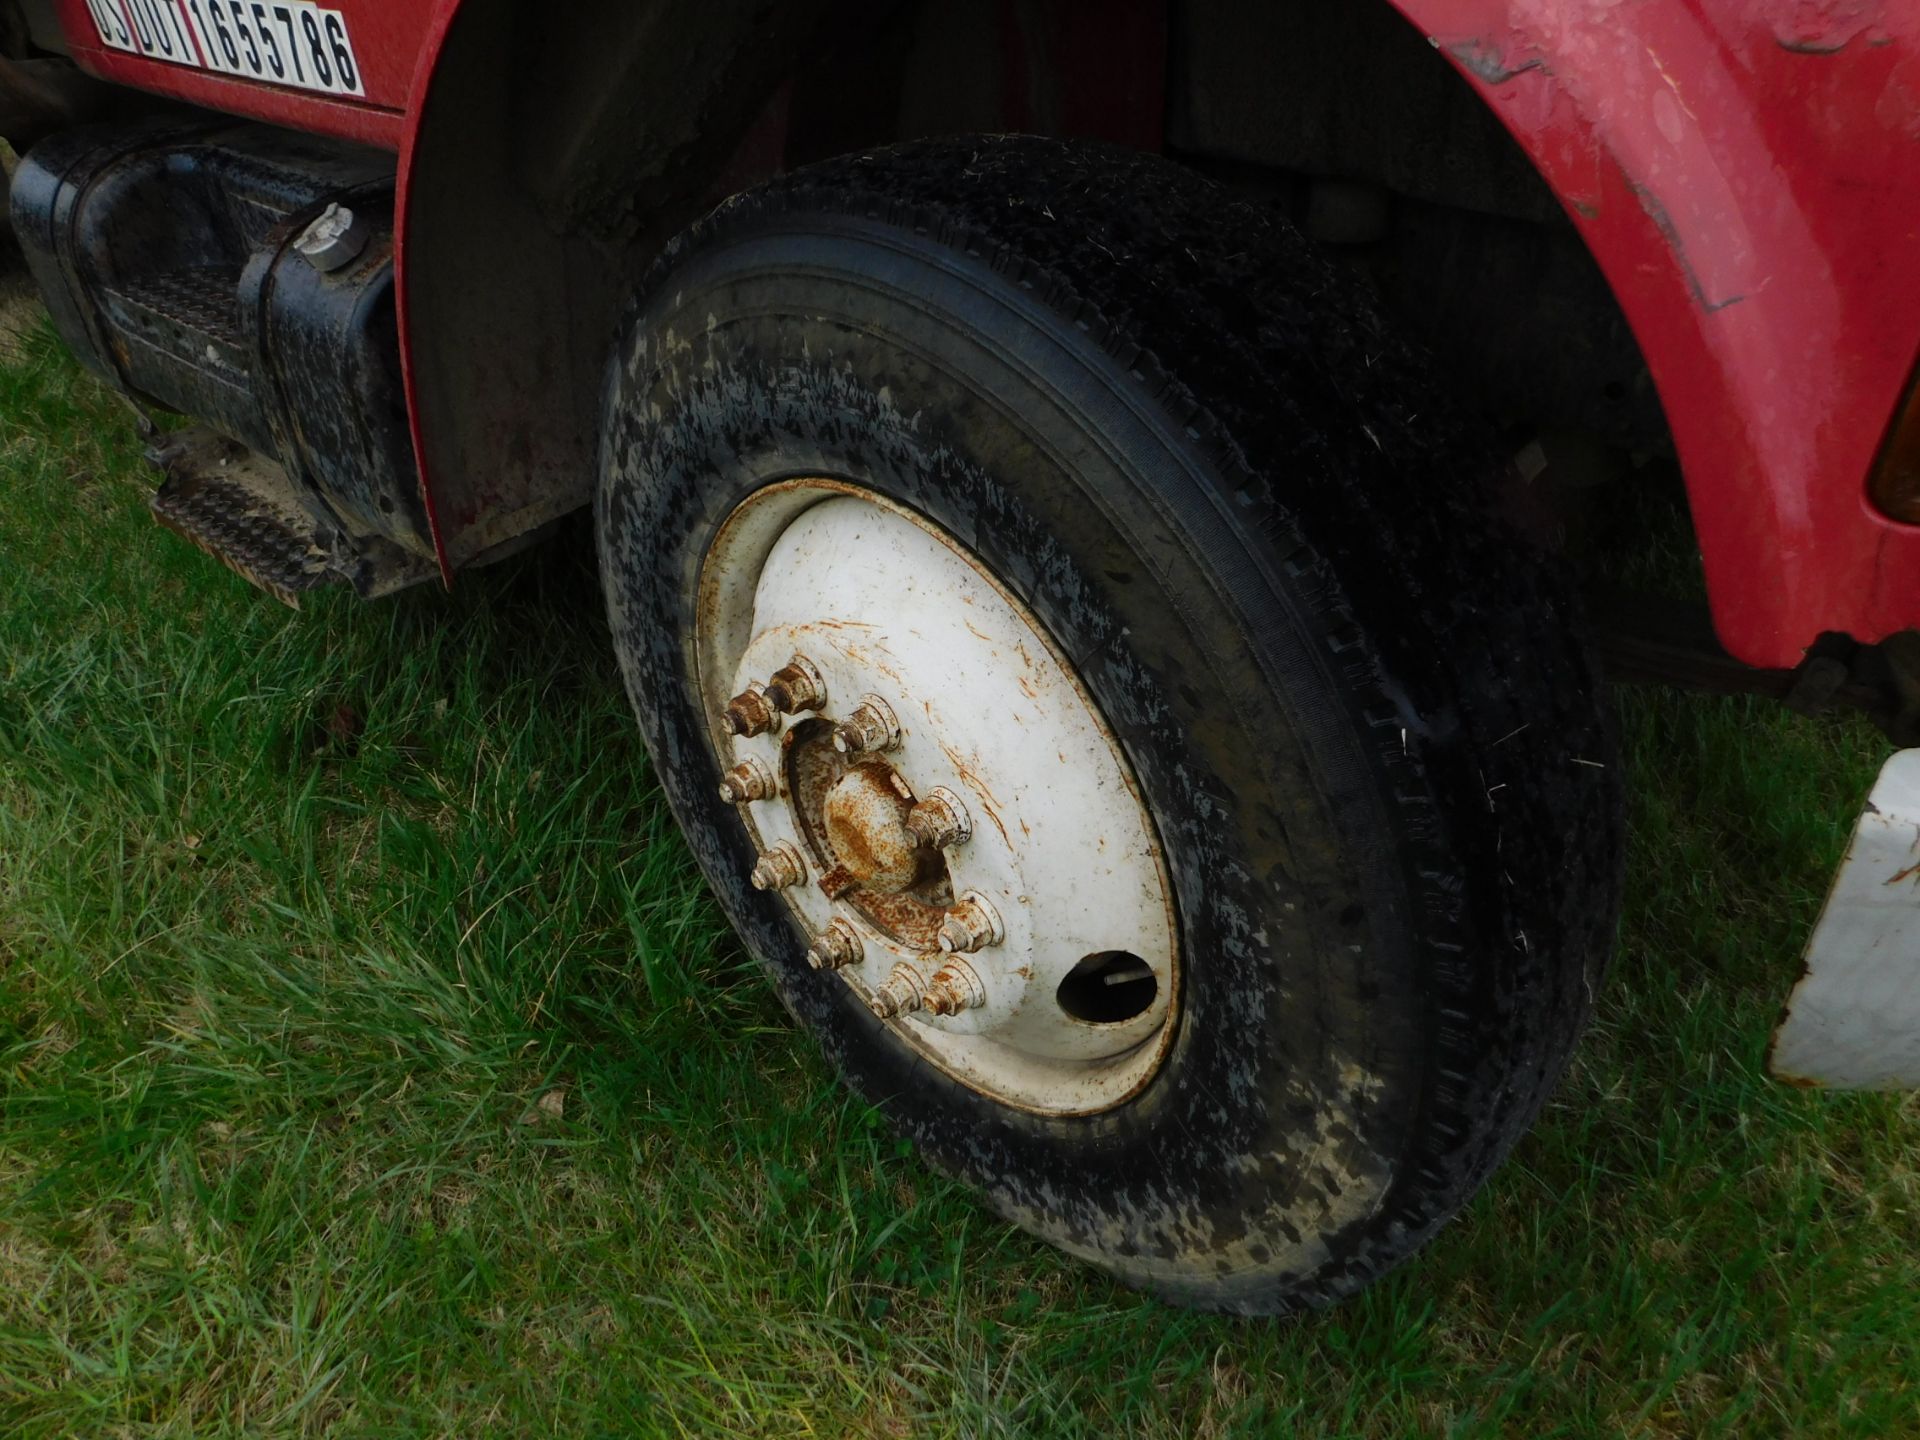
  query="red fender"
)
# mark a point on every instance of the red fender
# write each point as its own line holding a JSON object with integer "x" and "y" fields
{"x": 439, "y": 19}
{"x": 1741, "y": 171}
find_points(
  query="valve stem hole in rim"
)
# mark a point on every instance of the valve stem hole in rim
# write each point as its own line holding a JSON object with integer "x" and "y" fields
{"x": 1108, "y": 988}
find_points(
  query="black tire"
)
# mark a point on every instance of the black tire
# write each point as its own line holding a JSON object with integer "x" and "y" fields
{"x": 1376, "y": 752}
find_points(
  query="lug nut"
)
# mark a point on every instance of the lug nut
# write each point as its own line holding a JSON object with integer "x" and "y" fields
{"x": 940, "y": 820}
{"x": 955, "y": 987}
{"x": 971, "y": 925}
{"x": 872, "y": 726}
{"x": 836, "y": 947}
{"x": 750, "y": 713}
{"x": 781, "y": 868}
{"x": 797, "y": 686}
{"x": 903, "y": 991}
{"x": 749, "y": 780}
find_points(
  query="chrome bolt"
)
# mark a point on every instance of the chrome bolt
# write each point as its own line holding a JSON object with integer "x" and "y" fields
{"x": 955, "y": 987}
{"x": 971, "y": 925}
{"x": 903, "y": 991}
{"x": 873, "y": 726}
{"x": 749, "y": 780}
{"x": 750, "y": 713}
{"x": 797, "y": 686}
{"x": 836, "y": 946}
{"x": 781, "y": 868}
{"x": 940, "y": 820}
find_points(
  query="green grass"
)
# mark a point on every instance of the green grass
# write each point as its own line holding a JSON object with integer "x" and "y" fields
{"x": 372, "y": 1062}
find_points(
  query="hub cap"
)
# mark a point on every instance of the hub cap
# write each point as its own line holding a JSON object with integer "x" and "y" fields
{"x": 932, "y": 791}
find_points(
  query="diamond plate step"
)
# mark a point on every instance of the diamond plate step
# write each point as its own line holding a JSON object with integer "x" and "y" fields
{"x": 244, "y": 511}
{"x": 201, "y": 299}
{"x": 247, "y": 513}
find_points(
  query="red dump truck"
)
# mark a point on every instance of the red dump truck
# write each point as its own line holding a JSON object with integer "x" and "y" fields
{"x": 1067, "y": 479}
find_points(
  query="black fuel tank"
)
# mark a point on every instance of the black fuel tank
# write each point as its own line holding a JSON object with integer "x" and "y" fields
{"x": 169, "y": 256}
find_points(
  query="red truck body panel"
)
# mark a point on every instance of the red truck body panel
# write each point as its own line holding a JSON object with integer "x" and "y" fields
{"x": 389, "y": 37}
{"x": 1742, "y": 173}
{"x": 1739, "y": 169}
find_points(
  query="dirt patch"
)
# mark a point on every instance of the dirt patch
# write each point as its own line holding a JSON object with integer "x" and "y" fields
{"x": 20, "y": 310}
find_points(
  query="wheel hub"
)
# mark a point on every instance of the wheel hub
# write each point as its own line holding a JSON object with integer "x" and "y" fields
{"x": 934, "y": 794}
{"x": 866, "y": 831}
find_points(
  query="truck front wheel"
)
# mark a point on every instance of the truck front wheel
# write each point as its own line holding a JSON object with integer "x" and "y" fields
{"x": 1063, "y": 620}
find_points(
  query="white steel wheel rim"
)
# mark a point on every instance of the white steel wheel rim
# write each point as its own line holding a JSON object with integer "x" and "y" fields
{"x": 1059, "y": 991}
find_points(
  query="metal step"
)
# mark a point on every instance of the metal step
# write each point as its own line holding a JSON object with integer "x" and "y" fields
{"x": 179, "y": 331}
{"x": 201, "y": 299}
{"x": 243, "y": 510}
